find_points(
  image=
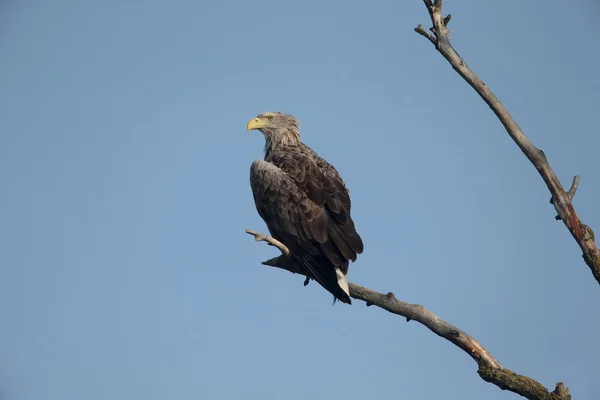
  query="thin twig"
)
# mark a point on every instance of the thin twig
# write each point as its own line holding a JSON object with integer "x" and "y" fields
{"x": 574, "y": 186}
{"x": 561, "y": 200}
{"x": 259, "y": 237}
{"x": 447, "y": 19}
{"x": 421, "y": 31}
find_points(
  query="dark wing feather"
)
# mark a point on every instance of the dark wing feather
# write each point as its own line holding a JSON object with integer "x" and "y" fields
{"x": 324, "y": 186}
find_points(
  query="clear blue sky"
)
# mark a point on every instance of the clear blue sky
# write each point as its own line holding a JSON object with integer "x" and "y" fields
{"x": 125, "y": 269}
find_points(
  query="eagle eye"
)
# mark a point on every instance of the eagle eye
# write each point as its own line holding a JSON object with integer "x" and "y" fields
{"x": 270, "y": 117}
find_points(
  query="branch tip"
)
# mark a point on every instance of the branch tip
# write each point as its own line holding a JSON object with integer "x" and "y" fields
{"x": 421, "y": 31}
{"x": 447, "y": 19}
{"x": 574, "y": 186}
{"x": 259, "y": 237}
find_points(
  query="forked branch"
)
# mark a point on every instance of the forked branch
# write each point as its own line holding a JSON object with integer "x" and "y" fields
{"x": 489, "y": 369}
{"x": 562, "y": 201}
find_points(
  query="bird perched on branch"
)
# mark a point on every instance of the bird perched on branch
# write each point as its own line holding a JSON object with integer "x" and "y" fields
{"x": 305, "y": 203}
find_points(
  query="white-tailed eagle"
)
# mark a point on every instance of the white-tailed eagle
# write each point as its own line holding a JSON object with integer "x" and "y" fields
{"x": 305, "y": 203}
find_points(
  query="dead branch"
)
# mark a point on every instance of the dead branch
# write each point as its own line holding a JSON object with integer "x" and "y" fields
{"x": 489, "y": 369}
{"x": 562, "y": 201}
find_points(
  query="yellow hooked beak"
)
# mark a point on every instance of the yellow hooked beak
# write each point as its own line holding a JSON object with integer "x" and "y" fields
{"x": 256, "y": 123}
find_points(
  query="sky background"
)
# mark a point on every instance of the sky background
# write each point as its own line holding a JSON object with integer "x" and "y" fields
{"x": 125, "y": 272}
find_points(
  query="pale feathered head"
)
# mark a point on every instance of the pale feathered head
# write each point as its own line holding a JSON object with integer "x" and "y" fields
{"x": 278, "y": 128}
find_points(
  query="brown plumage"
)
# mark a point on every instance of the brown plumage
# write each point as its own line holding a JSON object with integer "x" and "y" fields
{"x": 305, "y": 203}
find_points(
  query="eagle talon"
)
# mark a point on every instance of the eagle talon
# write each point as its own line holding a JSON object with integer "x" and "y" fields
{"x": 306, "y": 281}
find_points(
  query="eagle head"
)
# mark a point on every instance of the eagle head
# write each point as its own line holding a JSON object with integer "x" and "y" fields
{"x": 276, "y": 126}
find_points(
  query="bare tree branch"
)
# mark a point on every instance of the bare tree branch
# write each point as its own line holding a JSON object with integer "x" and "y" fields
{"x": 562, "y": 201}
{"x": 489, "y": 370}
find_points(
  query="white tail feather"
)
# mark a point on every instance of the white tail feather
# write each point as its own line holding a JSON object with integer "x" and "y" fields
{"x": 342, "y": 281}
